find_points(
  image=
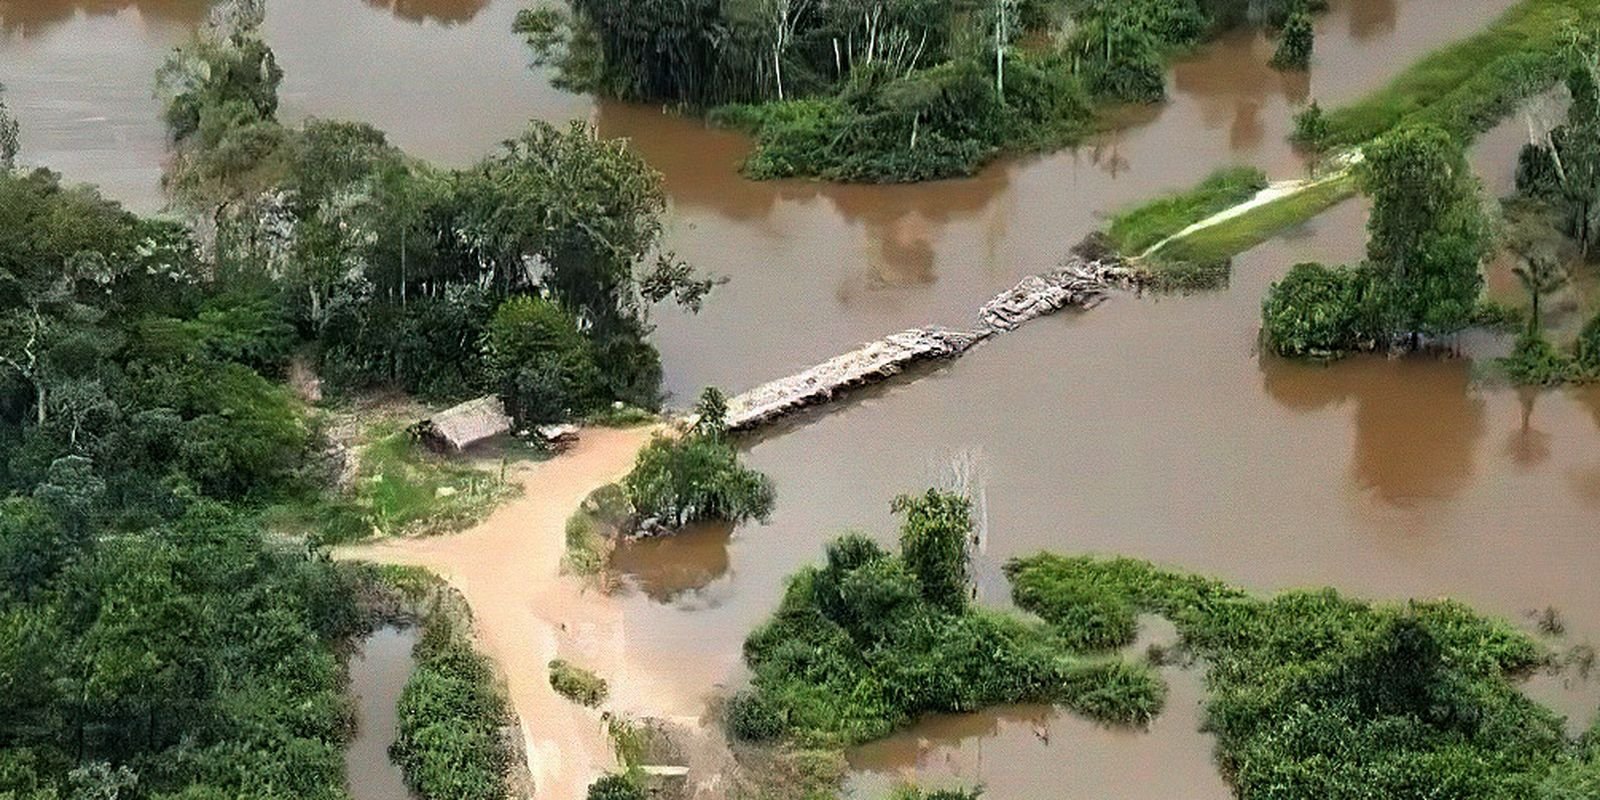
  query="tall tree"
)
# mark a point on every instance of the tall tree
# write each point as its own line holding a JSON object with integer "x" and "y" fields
{"x": 1427, "y": 233}
{"x": 934, "y": 542}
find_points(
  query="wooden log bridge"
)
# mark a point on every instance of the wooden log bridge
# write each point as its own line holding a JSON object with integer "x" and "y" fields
{"x": 1078, "y": 283}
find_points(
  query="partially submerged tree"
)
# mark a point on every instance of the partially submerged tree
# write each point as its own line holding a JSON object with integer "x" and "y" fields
{"x": 1295, "y": 42}
{"x": 1427, "y": 233}
{"x": 697, "y": 476}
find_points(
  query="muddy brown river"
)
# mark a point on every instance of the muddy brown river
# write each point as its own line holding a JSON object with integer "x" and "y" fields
{"x": 1149, "y": 427}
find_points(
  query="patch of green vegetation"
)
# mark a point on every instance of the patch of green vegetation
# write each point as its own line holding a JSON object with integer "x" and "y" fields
{"x": 1467, "y": 86}
{"x": 697, "y": 475}
{"x": 1137, "y": 229}
{"x": 864, "y": 644}
{"x": 451, "y": 744}
{"x": 403, "y": 489}
{"x": 1312, "y": 694}
{"x": 604, "y": 514}
{"x": 577, "y": 684}
{"x": 1235, "y": 235}
{"x": 617, "y": 786}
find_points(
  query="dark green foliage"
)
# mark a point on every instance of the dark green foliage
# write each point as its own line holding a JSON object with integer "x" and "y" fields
{"x": 1295, "y": 43}
{"x": 195, "y": 656}
{"x": 394, "y": 269}
{"x": 450, "y": 745}
{"x": 616, "y": 786}
{"x": 1316, "y": 310}
{"x": 1537, "y": 175}
{"x": 543, "y": 367}
{"x": 933, "y": 123}
{"x": 697, "y": 476}
{"x": 857, "y": 649}
{"x": 1315, "y": 695}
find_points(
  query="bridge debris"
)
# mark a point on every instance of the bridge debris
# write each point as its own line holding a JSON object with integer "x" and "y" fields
{"x": 1081, "y": 282}
{"x": 870, "y": 363}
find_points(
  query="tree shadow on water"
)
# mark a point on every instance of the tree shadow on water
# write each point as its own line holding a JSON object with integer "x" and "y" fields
{"x": 1417, "y": 419}
{"x": 666, "y": 569}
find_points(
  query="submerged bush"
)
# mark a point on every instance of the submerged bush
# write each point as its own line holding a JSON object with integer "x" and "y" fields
{"x": 1315, "y": 695}
{"x": 870, "y": 640}
{"x": 1313, "y": 311}
{"x": 577, "y": 684}
{"x": 697, "y": 476}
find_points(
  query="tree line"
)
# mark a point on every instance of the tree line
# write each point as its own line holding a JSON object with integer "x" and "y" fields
{"x": 892, "y": 90}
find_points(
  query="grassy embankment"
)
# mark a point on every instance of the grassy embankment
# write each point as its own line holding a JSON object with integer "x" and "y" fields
{"x": 1466, "y": 88}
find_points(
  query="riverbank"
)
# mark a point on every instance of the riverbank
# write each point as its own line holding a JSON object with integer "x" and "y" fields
{"x": 525, "y": 613}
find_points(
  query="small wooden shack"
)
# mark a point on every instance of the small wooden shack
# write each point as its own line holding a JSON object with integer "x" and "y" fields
{"x": 457, "y": 428}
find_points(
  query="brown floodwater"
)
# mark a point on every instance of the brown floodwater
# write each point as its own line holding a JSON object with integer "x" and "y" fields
{"x": 1149, "y": 427}
{"x": 378, "y": 674}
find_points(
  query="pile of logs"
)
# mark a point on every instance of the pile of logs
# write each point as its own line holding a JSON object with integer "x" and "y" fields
{"x": 1081, "y": 282}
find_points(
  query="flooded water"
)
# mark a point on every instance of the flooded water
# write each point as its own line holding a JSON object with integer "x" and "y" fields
{"x": 1149, "y": 427}
{"x": 378, "y": 673}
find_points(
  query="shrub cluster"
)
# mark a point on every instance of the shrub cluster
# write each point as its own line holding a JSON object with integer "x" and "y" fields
{"x": 451, "y": 745}
{"x": 1316, "y": 695}
{"x": 696, "y": 476}
{"x": 870, "y": 640}
{"x": 577, "y": 684}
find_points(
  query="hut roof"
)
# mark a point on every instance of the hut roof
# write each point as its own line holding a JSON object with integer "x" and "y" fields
{"x": 462, "y": 426}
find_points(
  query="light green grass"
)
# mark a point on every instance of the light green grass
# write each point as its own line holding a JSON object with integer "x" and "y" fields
{"x": 404, "y": 489}
{"x": 1467, "y": 86}
{"x": 1230, "y": 237}
{"x": 1138, "y": 228}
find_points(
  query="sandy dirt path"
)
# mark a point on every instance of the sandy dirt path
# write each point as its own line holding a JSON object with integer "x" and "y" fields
{"x": 526, "y": 613}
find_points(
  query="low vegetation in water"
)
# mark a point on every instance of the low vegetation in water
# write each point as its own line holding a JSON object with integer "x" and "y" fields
{"x": 1312, "y": 694}
{"x": 577, "y": 684}
{"x": 697, "y": 475}
{"x": 864, "y": 644}
{"x": 900, "y": 91}
{"x": 453, "y": 713}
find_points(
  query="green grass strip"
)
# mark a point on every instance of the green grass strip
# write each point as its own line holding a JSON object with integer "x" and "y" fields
{"x": 1138, "y": 228}
{"x": 1469, "y": 85}
{"x": 1238, "y": 234}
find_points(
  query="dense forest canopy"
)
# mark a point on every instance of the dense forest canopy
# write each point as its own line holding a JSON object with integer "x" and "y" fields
{"x": 888, "y": 90}
{"x": 155, "y": 640}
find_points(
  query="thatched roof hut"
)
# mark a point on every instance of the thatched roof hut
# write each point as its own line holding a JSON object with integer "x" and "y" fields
{"x": 457, "y": 428}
